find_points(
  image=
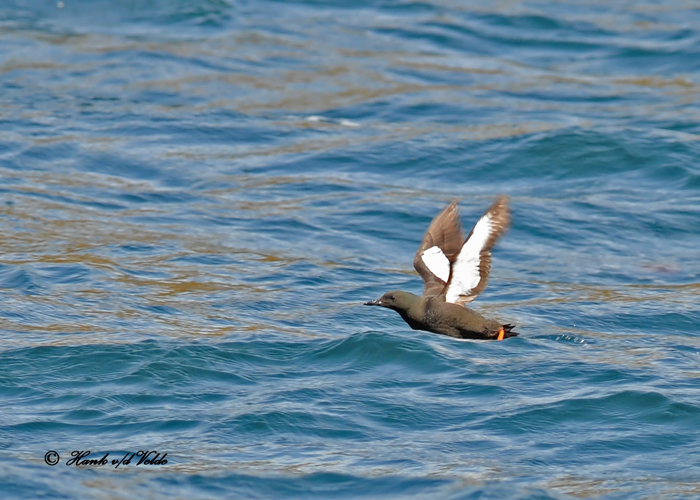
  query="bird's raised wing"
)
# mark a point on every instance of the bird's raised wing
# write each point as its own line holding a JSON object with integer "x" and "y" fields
{"x": 470, "y": 270}
{"x": 439, "y": 249}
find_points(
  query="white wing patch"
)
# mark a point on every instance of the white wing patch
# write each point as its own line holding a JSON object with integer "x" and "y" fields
{"x": 437, "y": 263}
{"x": 465, "y": 270}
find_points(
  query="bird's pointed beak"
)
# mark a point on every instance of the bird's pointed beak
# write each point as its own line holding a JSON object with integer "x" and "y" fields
{"x": 373, "y": 303}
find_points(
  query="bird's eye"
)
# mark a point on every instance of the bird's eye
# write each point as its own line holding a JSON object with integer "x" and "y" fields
{"x": 391, "y": 297}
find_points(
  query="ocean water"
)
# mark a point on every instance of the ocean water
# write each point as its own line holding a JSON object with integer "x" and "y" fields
{"x": 197, "y": 197}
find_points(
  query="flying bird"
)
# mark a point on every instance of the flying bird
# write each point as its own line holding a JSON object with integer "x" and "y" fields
{"x": 455, "y": 271}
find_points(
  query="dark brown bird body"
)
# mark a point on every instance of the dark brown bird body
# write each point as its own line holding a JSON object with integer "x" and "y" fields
{"x": 455, "y": 271}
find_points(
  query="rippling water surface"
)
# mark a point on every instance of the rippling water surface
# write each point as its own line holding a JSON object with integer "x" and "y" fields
{"x": 197, "y": 196}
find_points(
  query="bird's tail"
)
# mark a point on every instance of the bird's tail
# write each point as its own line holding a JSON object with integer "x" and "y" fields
{"x": 506, "y": 331}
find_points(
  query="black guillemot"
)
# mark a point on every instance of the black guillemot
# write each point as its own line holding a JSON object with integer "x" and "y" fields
{"x": 455, "y": 271}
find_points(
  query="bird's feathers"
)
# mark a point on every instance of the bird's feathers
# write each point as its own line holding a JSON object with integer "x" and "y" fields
{"x": 470, "y": 271}
{"x": 454, "y": 267}
{"x": 437, "y": 263}
{"x": 445, "y": 232}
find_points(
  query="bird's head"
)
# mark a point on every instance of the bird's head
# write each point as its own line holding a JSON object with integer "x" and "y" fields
{"x": 397, "y": 300}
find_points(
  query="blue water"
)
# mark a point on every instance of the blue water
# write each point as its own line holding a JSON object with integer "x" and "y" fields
{"x": 197, "y": 197}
